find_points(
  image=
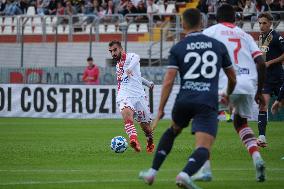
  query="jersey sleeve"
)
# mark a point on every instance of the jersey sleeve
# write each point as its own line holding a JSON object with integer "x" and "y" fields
{"x": 209, "y": 31}
{"x": 280, "y": 42}
{"x": 173, "y": 59}
{"x": 226, "y": 60}
{"x": 281, "y": 93}
{"x": 134, "y": 60}
{"x": 254, "y": 50}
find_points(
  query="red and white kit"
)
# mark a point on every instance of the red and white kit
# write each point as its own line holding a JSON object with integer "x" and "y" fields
{"x": 242, "y": 50}
{"x": 130, "y": 92}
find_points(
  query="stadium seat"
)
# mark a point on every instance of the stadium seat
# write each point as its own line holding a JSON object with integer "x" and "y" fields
{"x": 63, "y": 29}
{"x": 170, "y": 8}
{"x": 28, "y": 29}
{"x": 162, "y": 9}
{"x": 111, "y": 28}
{"x": 102, "y": 28}
{"x": 143, "y": 28}
{"x": 50, "y": 29}
{"x": 247, "y": 26}
{"x": 31, "y": 11}
{"x": 280, "y": 26}
{"x": 8, "y": 30}
{"x": 132, "y": 28}
{"x": 256, "y": 27}
{"x": 37, "y": 29}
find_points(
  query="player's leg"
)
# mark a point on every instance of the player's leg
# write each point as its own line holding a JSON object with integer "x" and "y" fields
{"x": 144, "y": 117}
{"x": 204, "y": 126}
{"x": 148, "y": 132}
{"x": 262, "y": 121}
{"x": 182, "y": 117}
{"x": 243, "y": 110}
{"x": 127, "y": 112}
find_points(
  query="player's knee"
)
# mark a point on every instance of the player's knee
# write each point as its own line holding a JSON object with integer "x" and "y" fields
{"x": 239, "y": 121}
{"x": 176, "y": 129}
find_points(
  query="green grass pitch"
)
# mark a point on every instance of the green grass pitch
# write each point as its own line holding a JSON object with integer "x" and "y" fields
{"x": 60, "y": 153}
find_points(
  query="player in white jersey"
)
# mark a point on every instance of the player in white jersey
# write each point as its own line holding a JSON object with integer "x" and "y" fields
{"x": 131, "y": 97}
{"x": 250, "y": 69}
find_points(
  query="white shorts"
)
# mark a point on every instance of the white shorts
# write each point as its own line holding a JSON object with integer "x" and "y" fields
{"x": 242, "y": 104}
{"x": 140, "y": 106}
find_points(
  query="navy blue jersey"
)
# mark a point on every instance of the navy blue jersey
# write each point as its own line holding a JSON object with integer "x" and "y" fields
{"x": 272, "y": 46}
{"x": 199, "y": 59}
{"x": 281, "y": 93}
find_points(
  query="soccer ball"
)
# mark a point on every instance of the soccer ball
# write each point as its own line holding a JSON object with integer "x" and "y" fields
{"x": 118, "y": 144}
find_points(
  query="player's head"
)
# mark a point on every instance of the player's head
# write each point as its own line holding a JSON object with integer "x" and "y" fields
{"x": 115, "y": 49}
{"x": 192, "y": 19}
{"x": 90, "y": 61}
{"x": 225, "y": 13}
{"x": 265, "y": 21}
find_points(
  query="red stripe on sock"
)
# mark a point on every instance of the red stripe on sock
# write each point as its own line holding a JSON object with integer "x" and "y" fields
{"x": 242, "y": 127}
{"x": 253, "y": 149}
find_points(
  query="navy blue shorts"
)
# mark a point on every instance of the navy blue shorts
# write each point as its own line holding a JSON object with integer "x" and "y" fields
{"x": 272, "y": 88}
{"x": 204, "y": 117}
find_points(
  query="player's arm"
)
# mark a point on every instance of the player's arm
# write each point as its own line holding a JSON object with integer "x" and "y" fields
{"x": 85, "y": 76}
{"x": 260, "y": 66}
{"x": 166, "y": 89}
{"x": 149, "y": 84}
{"x": 134, "y": 61}
{"x": 232, "y": 81}
{"x": 280, "y": 44}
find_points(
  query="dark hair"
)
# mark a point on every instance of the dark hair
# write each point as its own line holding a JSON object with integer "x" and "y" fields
{"x": 90, "y": 58}
{"x": 266, "y": 15}
{"x": 225, "y": 13}
{"x": 192, "y": 17}
{"x": 114, "y": 42}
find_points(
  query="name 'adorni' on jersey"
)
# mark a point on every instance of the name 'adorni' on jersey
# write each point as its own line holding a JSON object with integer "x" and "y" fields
{"x": 199, "y": 45}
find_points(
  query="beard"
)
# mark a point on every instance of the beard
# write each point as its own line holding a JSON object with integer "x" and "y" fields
{"x": 118, "y": 57}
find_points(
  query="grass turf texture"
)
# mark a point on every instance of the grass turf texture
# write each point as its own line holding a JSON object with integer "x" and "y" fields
{"x": 59, "y": 153}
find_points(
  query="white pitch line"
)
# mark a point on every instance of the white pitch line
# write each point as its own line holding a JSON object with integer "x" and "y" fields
{"x": 115, "y": 181}
{"x": 123, "y": 170}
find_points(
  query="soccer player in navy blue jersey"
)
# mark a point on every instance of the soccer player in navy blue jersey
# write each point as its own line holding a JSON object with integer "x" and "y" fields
{"x": 279, "y": 102}
{"x": 198, "y": 59}
{"x": 272, "y": 46}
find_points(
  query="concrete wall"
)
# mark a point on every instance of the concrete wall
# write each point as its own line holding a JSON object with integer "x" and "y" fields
{"x": 69, "y": 54}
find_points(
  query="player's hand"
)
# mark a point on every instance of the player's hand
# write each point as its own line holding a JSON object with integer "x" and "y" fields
{"x": 161, "y": 114}
{"x": 267, "y": 64}
{"x": 259, "y": 99}
{"x": 275, "y": 107}
{"x": 129, "y": 72}
{"x": 224, "y": 99}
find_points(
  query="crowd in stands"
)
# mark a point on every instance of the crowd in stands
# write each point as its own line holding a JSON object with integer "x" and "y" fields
{"x": 247, "y": 10}
{"x": 98, "y": 8}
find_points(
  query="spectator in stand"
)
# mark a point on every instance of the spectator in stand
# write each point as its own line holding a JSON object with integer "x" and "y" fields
{"x": 152, "y": 8}
{"x": 203, "y": 6}
{"x": 130, "y": 8}
{"x": 275, "y": 6}
{"x": 60, "y": 9}
{"x": 24, "y": 4}
{"x": 88, "y": 7}
{"x": 121, "y": 8}
{"x": 42, "y": 7}
{"x": 110, "y": 8}
{"x": 12, "y": 8}
{"x": 249, "y": 10}
{"x": 141, "y": 9}
{"x": 91, "y": 73}
{"x": 78, "y": 5}
{"x": 260, "y": 6}
{"x": 94, "y": 12}
{"x": 52, "y": 7}
{"x": 2, "y": 6}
